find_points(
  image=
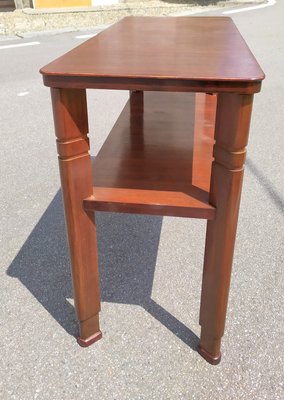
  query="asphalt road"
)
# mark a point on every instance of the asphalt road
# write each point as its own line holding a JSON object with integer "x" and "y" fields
{"x": 150, "y": 266}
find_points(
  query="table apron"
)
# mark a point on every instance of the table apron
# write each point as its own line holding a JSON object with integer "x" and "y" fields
{"x": 152, "y": 84}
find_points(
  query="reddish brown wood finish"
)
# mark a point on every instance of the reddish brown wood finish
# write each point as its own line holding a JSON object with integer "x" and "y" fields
{"x": 157, "y": 159}
{"x": 152, "y": 53}
{"x": 71, "y": 128}
{"x": 231, "y": 134}
{"x": 160, "y": 148}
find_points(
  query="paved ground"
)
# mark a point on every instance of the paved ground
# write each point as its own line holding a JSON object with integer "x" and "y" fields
{"x": 150, "y": 298}
{"x": 22, "y": 21}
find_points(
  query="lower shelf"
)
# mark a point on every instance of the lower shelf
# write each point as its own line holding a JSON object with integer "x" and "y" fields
{"x": 157, "y": 158}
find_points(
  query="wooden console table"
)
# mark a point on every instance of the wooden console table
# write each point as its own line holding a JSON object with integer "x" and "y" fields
{"x": 178, "y": 147}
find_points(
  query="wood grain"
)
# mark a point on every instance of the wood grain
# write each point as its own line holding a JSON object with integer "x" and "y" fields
{"x": 182, "y": 52}
{"x": 157, "y": 159}
{"x": 71, "y": 128}
{"x": 231, "y": 134}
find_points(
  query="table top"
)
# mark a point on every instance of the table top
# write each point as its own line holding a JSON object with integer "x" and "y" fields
{"x": 161, "y": 51}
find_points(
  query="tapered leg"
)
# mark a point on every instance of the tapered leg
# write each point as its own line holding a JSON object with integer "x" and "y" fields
{"x": 231, "y": 135}
{"x": 71, "y": 128}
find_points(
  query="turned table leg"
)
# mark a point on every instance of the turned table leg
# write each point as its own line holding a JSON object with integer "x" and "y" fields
{"x": 231, "y": 135}
{"x": 71, "y": 128}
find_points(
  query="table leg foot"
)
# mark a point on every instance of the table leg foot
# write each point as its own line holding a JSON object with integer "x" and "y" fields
{"x": 214, "y": 360}
{"x": 90, "y": 340}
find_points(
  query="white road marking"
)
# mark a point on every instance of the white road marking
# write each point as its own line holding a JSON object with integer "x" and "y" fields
{"x": 11, "y": 46}
{"x": 70, "y": 301}
{"x": 268, "y": 4}
{"x": 23, "y": 93}
{"x": 90, "y": 35}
